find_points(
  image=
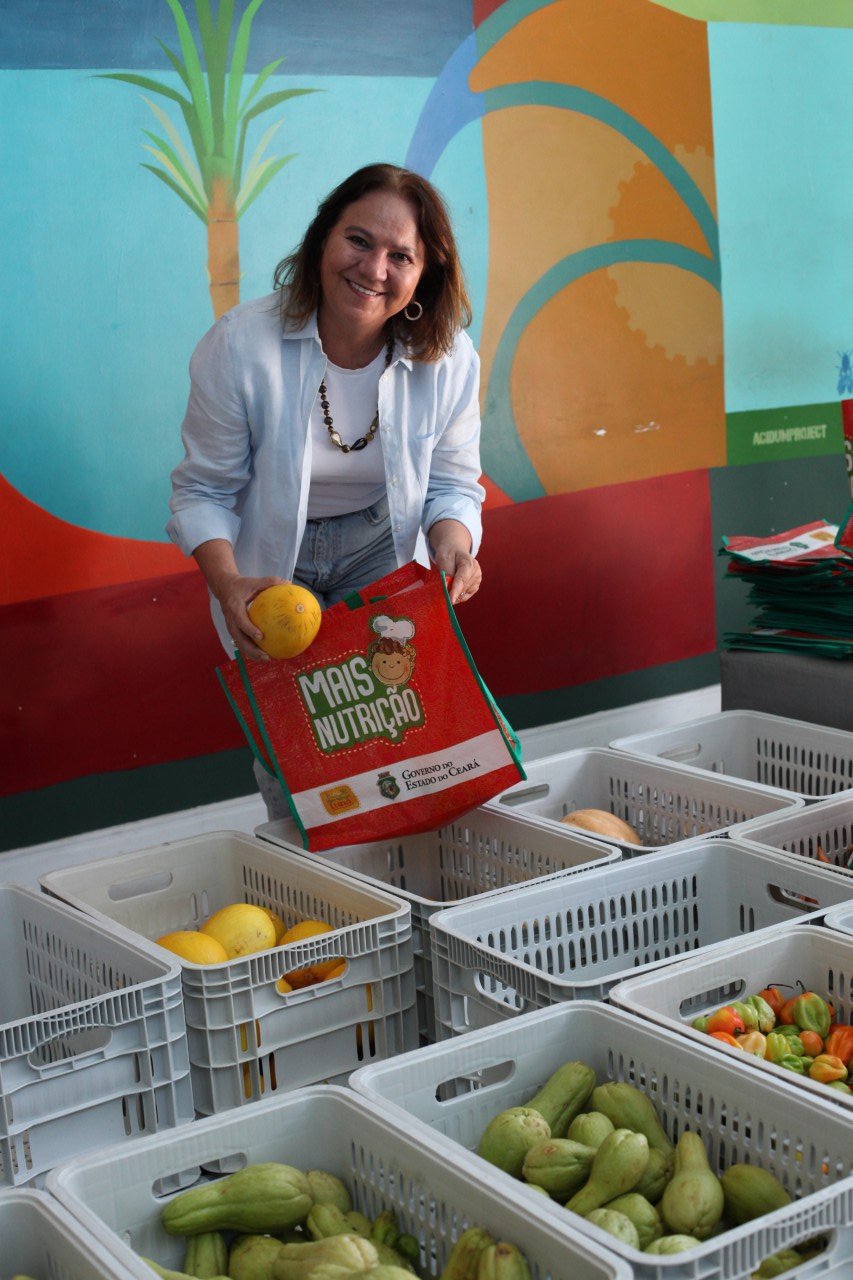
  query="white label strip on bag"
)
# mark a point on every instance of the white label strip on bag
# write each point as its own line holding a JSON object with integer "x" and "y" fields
{"x": 403, "y": 780}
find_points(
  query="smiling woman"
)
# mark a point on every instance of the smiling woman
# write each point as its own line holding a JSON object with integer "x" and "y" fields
{"x": 331, "y": 422}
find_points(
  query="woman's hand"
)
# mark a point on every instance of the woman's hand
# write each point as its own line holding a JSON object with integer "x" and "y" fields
{"x": 450, "y": 545}
{"x": 235, "y": 593}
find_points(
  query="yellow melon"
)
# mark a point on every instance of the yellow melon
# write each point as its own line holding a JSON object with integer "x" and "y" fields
{"x": 601, "y": 823}
{"x": 196, "y": 947}
{"x": 289, "y": 617}
{"x": 241, "y": 928}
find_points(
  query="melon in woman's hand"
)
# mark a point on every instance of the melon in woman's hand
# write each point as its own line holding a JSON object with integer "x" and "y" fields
{"x": 289, "y": 617}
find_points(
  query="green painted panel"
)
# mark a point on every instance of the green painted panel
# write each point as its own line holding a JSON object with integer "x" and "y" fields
{"x": 768, "y": 435}
{"x": 799, "y": 13}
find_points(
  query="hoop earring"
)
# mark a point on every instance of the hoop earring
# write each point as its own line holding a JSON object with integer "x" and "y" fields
{"x": 413, "y": 303}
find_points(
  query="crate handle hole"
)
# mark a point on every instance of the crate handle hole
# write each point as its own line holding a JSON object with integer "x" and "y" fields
{"x": 487, "y": 1078}
{"x": 525, "y": 795}
{"x": 687, "y": 751}
{"x": 63, "y": 1048}
{"x": 155, "y": 882}
{"x": 497, "y": 992}
{"x": 690, "y": 1006}
{"x": 787, "y": 898}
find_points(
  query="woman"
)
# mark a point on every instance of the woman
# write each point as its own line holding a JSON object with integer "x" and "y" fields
{"x": 332, "y": 421}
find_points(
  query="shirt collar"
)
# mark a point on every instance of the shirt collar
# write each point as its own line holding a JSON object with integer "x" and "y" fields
{"x": 308, "y": 329}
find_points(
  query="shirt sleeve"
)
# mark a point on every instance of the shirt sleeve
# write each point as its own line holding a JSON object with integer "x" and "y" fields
{"x": 453, "y": 490}
{"x": 217, "y": 448}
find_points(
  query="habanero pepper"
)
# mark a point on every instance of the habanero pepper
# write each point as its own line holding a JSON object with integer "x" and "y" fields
{"x": 772, "y": 996}
{"x": 812, "y": 1043}
{"x": 781, "y": 1047}
{"x": 726, "y": 1019}
{"x": 827, "y": 1068}
{"x": 811, "y": 1013}
{"x": 766, "y": 1016}
{"x": 839, "y": 1043}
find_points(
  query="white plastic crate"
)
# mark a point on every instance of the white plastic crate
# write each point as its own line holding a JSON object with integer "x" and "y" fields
{"x": 825, "y": 827}
{"x": 664, "y": 803}
{"x": 818, "y": 958}
{"x": 318, "y": 1128}
{"x": 576, "y": 937}
{"x": 841, "y": 918}
{"x": 810, "y": 760}
{"x": 42, "y": 1240}
{"x": 480, "y": 853}
{"x": 455, "y": 1088}
{"x": 93, "y": 1047}
{"x": 245, "y": 1037}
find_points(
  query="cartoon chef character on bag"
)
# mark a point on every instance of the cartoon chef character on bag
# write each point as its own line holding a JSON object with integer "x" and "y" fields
{"x": 392, "y": 656}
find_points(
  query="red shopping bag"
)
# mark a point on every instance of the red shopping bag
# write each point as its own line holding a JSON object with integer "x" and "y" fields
{"x": 382, "y": 727}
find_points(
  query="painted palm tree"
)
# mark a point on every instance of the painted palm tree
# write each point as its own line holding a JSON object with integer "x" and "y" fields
{"x": 217, "y": 185}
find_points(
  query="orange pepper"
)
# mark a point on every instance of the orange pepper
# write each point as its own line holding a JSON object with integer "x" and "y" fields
{"x": 839, "y": 1043}
{"x": 812, "y": 1043}
{"x": 725, "y": 1037}
{"x": 785, "y": 1016}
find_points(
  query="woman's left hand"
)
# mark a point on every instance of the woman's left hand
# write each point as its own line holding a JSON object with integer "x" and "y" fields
{"x": 467, "y": 576}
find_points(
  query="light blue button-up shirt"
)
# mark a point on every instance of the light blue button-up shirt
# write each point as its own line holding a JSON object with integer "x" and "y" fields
{"x": 247, "y": 468}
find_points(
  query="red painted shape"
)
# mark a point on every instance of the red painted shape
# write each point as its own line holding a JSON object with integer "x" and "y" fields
{"x": 495, "y": 496}
{"x": 113, "y": 678}
{"x": 484, "y": 9}
{"x": 582, "y": 586}
{"x": 45, "y": 556}
{"x": 577, "y": 587}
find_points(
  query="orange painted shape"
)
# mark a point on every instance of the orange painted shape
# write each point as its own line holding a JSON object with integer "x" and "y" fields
{"x": 651, "y": 62}
{"x": 46, "y": 556}
{"x": 595, "y": 403}
{"x": 495, "y": 496}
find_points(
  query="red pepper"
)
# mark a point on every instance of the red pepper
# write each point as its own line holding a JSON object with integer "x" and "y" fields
{"x": 774, "y": 998}
{"x": 839, "y": 1043}
{"x": 726, "y": 1019}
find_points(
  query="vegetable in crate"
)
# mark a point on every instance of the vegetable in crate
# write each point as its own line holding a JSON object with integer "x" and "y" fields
{"x": 509, "y": 1136}
{"x": 750, "y": 1192}
{"x": 329, "y": 1259}
{"x": 260, "y": 1198}
{"x": 618, "y": 1165}
{"x": 564, "y": 1094}
{"x": 692, "y": 1203}
{"x": 206, "y": 1255}
{"x": 251, "y": 1257}
{"x": 672, "y": 1244}
{"x": 615, "y": 1224}
{"x": 502, "y": 1261}
{"x": 166, "y": 1274}
{"x": 642, "y": 1213}
{"x": 559, "y": 1165}
{"x": 602, "y": 823}
{"x": 590, "y": 1128}
{"x": 464, "y": 1257}
{"x": 628, "y": 1108}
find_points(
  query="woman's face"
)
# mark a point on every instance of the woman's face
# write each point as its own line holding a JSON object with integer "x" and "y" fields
{"x": 372, "y": 261}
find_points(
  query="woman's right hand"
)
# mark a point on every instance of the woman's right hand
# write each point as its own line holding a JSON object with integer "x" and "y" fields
{"x": 235, "y": 593}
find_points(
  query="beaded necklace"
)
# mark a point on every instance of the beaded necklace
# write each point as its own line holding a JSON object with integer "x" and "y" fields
{"x": 363, "y": 441}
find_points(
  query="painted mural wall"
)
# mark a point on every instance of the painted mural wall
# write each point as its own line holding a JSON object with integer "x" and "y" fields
{"x": 653, "y": 207}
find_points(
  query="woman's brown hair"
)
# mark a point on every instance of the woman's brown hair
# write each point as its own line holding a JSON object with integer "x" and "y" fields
{"x": 441, "y": 289}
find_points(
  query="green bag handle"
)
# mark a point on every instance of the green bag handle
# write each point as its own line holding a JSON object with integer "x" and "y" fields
{"x": 262, "y": 729}
{"x": 507, "y": 732}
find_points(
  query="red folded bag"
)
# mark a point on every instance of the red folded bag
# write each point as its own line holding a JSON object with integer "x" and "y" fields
{"x": 382, "y": 727}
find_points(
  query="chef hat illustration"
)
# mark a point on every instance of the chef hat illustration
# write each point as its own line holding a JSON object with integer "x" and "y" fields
{"x": 393, "y": 628}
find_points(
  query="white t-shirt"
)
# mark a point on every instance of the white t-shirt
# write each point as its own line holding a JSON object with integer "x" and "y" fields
{"x": 342, "y": 482}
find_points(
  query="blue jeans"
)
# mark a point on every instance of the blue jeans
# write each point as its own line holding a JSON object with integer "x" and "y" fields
{"x": 339, "y": 555}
